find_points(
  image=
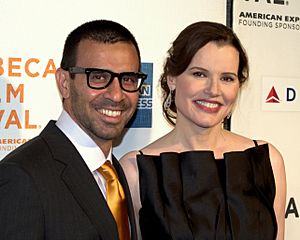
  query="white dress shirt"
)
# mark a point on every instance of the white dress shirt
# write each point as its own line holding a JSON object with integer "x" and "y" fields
{"x": 87, "y": 148}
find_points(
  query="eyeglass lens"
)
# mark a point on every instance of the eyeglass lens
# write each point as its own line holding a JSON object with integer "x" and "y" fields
{"x": 101, "y": 79}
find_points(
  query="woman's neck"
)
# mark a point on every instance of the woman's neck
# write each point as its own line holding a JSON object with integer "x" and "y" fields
{"x": 186, "y": 138}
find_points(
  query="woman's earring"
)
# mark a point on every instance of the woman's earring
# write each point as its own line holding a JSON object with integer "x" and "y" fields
{"x": 168, "y": 100}
{"x": 229, "y": 115}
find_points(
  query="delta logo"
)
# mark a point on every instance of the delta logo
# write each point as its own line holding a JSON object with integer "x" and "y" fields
{"x": 273, "y": 96}
{"x": 280, "y": 94}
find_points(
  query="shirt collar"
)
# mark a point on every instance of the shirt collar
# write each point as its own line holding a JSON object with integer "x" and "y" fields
{"x": 85, "y": 145}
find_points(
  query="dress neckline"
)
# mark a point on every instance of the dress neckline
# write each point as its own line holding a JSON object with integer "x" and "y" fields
{"x": 209, "y": 151}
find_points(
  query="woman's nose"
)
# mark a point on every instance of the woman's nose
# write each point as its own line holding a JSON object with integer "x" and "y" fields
{"x": 213, "y": 87}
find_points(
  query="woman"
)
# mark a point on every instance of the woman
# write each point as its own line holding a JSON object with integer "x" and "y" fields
{"x": 201, "y": 181}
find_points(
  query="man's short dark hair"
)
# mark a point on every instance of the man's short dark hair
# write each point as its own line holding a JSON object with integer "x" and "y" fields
{"x": 102, "y": 31}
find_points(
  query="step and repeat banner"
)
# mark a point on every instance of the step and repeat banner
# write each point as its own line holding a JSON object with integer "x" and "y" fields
{"x": 269, "y": 107}
{"x": 32, "y": 38}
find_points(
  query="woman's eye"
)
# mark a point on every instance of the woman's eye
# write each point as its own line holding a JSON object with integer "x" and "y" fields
{"x": 199, "y": 74}
{"x": 227, "y": 78}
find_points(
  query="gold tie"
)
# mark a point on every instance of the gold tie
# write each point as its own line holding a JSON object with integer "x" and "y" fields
{"x": 115, "y": 198}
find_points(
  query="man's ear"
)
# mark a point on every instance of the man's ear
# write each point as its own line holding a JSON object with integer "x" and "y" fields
{"x": 63, "y": 82}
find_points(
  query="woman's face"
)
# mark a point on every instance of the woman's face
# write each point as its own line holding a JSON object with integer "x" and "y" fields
{"x": 207, "y": 90}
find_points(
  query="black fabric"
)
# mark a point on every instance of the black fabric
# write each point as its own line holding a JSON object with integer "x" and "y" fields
{"x": 186, "y": 196}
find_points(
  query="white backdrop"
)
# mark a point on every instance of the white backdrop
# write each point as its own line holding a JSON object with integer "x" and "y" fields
{"x": 270, "y": 33}
{"x": 32, "y": 37}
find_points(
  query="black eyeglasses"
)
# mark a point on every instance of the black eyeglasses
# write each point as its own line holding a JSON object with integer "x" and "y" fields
{"x": 100, "y": 78}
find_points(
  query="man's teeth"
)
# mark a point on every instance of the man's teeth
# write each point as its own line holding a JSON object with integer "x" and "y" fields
{"x": 207, "y": 104}
{"x": 110, "y": 113}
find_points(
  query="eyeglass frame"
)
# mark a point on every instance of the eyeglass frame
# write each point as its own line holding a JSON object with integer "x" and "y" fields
{"x": 87, "y": 71}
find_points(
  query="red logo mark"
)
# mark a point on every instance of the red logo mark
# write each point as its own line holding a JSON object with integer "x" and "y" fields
{"x": 272, "y": 96}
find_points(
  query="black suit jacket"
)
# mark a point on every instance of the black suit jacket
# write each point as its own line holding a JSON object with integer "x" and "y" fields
{"x": 48, "y": 192}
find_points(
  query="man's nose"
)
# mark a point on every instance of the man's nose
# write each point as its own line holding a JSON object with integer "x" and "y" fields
{"x": 114, "y": 91}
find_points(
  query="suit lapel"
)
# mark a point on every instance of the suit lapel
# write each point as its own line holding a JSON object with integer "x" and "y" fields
{"x": 89, "y": 197}
{"x": 130, "y": 209}
{"x": 81, "y": 182}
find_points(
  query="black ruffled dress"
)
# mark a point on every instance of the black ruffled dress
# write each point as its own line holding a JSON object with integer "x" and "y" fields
{"x": 193, "y": 196}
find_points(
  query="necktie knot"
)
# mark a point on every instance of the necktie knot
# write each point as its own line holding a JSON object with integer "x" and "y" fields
{"x": 108, "y": 171}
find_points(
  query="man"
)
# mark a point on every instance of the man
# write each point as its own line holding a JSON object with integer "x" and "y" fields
{"x": 50, "y": 187}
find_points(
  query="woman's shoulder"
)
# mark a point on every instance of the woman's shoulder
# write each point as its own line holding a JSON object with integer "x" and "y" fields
{"x": 276, "y": 158}
{"x": 153, "y": 148}
{"x": 240, "y": 142}
{"x": 246, "y": 143}
{"x": 128, "y": 161}
{"x": 236, "y": 142}
{"x": 129, "y": 165}
{"x": 158, "y": 146}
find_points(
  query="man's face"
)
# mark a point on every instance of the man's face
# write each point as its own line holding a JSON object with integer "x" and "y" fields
{"x": 102, "y": 114}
